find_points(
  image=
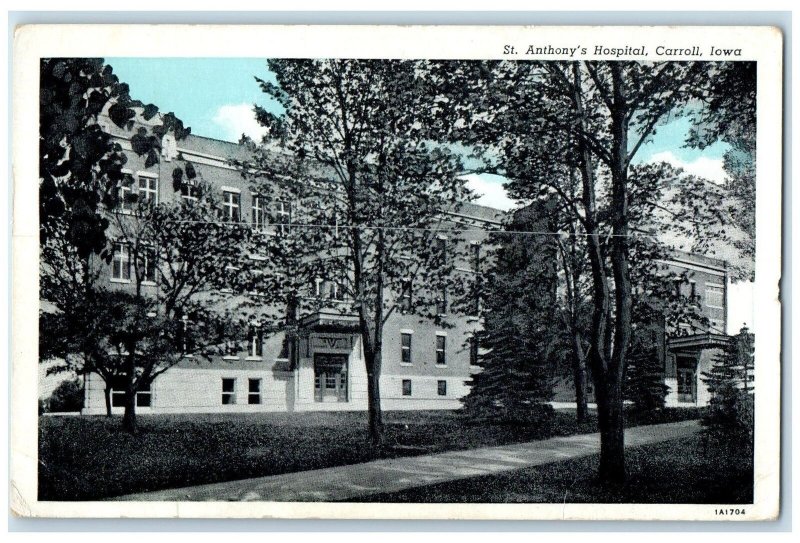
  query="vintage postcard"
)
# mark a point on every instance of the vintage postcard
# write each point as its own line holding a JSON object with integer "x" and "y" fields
{"x": 397, "y": 272}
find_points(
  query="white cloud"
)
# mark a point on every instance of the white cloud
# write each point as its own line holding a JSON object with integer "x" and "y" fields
{"x": 708, "y": 168}
{"x": 490, "y": 191}
{"x": 238, "y": 119}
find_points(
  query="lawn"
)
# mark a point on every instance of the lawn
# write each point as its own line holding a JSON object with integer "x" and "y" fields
{"x": 86, "y": 458}
{"x": 688, "y": 470}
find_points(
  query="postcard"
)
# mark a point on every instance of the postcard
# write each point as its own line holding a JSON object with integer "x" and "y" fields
{"x": 397, "y": 272}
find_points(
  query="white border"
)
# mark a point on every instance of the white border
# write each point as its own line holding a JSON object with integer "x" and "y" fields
{"x": 32, "y": 42}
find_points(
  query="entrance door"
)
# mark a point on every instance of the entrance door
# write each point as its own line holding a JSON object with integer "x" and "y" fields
{"x": 687, "y": 379}
{"x": 330, "y": 377}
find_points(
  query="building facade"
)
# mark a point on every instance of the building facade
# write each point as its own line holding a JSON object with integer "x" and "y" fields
{"x": 424, "y": 366}
{"x": 685, "y": 352}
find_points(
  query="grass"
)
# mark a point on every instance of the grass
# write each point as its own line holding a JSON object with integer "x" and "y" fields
{"x": 89, "y": 458}
{"x": 693, "y": 470}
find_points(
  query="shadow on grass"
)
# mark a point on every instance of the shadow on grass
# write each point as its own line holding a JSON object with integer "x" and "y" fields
{"x": 89, "y": 458}
{"x": 694, "y": 469}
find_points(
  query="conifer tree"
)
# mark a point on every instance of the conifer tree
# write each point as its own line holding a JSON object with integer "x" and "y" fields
{"x": 729, "y": 382}
{"x": 518, "y": 346}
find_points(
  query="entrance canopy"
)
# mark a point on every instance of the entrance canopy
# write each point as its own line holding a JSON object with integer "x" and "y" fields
{"x": 330, "y": 321}
{"x": 696, "y": 342}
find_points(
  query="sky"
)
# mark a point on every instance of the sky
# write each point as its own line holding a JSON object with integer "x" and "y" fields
{"x": 215, "y": 97}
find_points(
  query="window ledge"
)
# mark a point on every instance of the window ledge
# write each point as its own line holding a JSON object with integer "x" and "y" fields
{"x": 149, "y": 283}
{"x": 441, "y": 365}
{"x": 407, "y": 364}
{"x": 230, "y": 357}
{"x": 254, "y": 358}
{"x": 121, "y": 281}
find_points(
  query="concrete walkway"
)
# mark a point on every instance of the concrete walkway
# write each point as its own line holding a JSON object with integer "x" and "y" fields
{"x": 392, "y": 475}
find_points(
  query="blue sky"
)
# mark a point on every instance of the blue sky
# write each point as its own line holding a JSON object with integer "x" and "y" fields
{"x": 214, "y": 96}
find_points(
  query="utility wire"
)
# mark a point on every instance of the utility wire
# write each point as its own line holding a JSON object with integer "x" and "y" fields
{"x": 417, "y": 229}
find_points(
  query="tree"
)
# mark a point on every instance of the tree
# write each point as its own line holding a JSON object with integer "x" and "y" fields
{"x": 520, "y": 347}
{"x": 729, "y": 382}
{"x": 182, "y": 259}
{"x": 376, "y": 189}
{"x": 67, "y": 397}
{"x": 726, "y": 112}
{"x": 543, "y": 119}
{"x": 76, "y": 339}
{"x": 80, "y": 171}
{"x": 80, "y": 165}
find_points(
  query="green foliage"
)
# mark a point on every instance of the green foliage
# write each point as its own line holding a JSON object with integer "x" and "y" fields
{"x": 520, "y": 349}
{"x": 80, "y": 165}
{"x": 645, "y": 377}
{"x": 727, "y": 112}
{"x": 729, "y": 382}
{"x": 67, "y": 397}
{"x": 361, "y": 154}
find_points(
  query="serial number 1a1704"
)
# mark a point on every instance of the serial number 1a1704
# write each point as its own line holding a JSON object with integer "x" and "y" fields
{"x": 729, "y": 512}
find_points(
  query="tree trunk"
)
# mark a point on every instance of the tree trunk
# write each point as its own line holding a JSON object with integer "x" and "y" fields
{"x": 612, "y": 436}
{"x": 129, "y": 418}
{"x": 579, "y": 377}
{"x": 612, "y": 448}
{"x": 374, "y": 410}
{"x": 107, "y": 394}
{"x": 372, "y": 360}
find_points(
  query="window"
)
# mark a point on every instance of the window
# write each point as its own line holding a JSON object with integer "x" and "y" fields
{"x": 148, "y": 189}
{"x": 406, "y": 387}
{"x": 258, "y": 216}
{"x": 126, "y": 198}
{"x": 405, "y": 296}
{"x": 316, "y": 288}
{"x": 255, "y": 342}
{"x": 121, "y": 263}
{"x": 686, "y": 385}
{"x": 476, "y": 257}
{"x": 441, "y": 302}
{"x": 693, "y": 290}
{"x": 283, "y": 216}
{"x": 335, "y": 292}
{"x": 405, "y": 348}
{"x": 228, "y": 391}
{"x": 284, "y": 354}
{"x": 441, "y": 388}
{"x": 143, "y": 397}
{"x": 253, "y": 391}
{"x": 678, "y": 289}
{"x": 147, "y": 264}
{"x": 715, "y": 296}
{"x": 231, "y": 349}
{"x": 473, "y": 351}
{"x": 475, "y": 305}
{"x": 231, "y": 204}
{"x": 189, "y": 191}
{"x": 441, "y": 342}
{"x": 441, "y": 245}
{"x": 184, "y": 339}
{"x": 118, "y": 387}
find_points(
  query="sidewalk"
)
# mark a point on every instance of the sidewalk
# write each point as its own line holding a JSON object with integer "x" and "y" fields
{"x": 392, "y": 475}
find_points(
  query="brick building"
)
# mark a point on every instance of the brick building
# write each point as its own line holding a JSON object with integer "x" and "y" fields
{"x": 686, "y": 353}
{"x": 425, "y": 365}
